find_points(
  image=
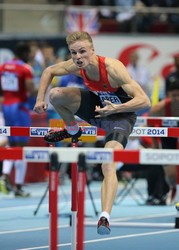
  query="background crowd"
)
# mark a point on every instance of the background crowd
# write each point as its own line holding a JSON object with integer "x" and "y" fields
{"x": 133, "y": 16}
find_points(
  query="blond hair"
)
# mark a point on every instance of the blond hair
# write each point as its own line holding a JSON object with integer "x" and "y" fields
{"x": 78, "y": 36}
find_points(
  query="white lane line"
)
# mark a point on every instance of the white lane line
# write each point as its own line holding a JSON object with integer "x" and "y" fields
{"x": 30, "y": 230}
{"x": 88, "y": 223}
{"x": 147, "y": 216}
{"x": 45, "y": 205}
{"x": 114, "y": 222}
{"x": 136, "y": 224}
{"x": 4, "y": 209}
{"x": 165, "y": 214}
{"x": 109, "y": 238}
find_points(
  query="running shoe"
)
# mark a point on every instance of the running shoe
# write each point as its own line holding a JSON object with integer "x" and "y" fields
{"x": 156, "y": 201}
{"x": 5, "y": 186}
{"x": 56, "y": 135}
{"x": 21, "y": 193}
{"x": 103, "y": 226}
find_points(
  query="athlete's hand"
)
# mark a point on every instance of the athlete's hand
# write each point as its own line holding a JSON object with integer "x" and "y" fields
{"x": 40, "y": 107}
{"x": 109, "y": 109}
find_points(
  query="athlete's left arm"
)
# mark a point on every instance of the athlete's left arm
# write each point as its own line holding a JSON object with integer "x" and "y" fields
{"x": 119, "y": 77}
{"x": 132, "y": 88}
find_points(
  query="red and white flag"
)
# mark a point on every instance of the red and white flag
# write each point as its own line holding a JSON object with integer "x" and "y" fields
{"x": 82, "y": 20}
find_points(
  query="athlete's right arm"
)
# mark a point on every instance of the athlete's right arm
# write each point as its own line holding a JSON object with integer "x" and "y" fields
{"x": 59, "y": 69}
{"x": 158, "y": 109}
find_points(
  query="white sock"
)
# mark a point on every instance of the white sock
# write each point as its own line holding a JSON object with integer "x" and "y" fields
{"x": 72, "y": 130}
{"x": 105, "y": 214}
{"x": 20, "y": 167}
{"x": 7, "y": 167}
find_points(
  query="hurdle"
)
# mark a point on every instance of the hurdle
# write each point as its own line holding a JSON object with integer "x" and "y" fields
{"x": 74, "y": 198}
{"x": 98, "y": 155}
{"x": 91, "y": 131}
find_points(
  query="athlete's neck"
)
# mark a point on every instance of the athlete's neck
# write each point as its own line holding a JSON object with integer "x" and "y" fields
{"x": 92, "y": 69}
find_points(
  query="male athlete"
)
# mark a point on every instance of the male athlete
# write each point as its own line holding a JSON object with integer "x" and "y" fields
{"x": 110, "y": 102}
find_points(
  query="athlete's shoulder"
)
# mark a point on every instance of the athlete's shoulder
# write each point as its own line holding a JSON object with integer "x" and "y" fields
{"x": 70, "y": 66}
{"x": 112, "y": 62}
{"x": 27, "y": 67}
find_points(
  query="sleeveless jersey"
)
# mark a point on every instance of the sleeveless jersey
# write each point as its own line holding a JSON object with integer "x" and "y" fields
{"x": 168, "y": 107}
{"x": 102, "y": 88}
{"x": 168, "y": 112}
{"x": 13, "y": 75}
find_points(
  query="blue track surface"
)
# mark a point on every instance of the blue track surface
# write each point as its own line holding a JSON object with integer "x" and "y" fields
{"x": 133, "y": 226}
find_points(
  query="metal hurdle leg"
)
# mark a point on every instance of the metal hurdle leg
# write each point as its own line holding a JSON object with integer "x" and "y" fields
{"x": 126, "y": 190}
{"x": 41, "y": 200}
{"x": 74, "y": 194}
{"x": 81, "y": 201}
{"x": 53, "y": 200}
{"x": 177, "y": 198}
{"x": 177, "y": 194}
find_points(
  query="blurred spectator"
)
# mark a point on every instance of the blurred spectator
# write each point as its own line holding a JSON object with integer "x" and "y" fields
{"x": 16, "y": 80}
{"x": 126, "y": 18}
{"x": 143, "y": 21}
{"x": 50, "y": 58}
{"x": 173, "y": 76}
{"x": 35, "y": 63}
{"x": 104, "y": 12}
{"x": 169, "y": 107}
{"x": 157, "y": 188}
{"x": 160, "y": 3}
{"x": 37, "y": 70}
{"x": 49, "y": 55}
{"x": 5, "y": 184}
{"x": 140, "y": 74}
{"x": 162, "y": 23}
{"x": 3, "y": 140}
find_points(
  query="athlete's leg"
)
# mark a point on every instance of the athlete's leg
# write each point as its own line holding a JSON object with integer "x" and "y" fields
{"x": 110, "y": 182}
{"x": 118, "y": 129}
{"x": 170, "y": 170}
{"x": 108, "y": 191}
{"x": 171, "y": 178}
{"x": 20, "y": 172}
{"x": 66, "y": 102}
{"x": 5, "y": 183}
{"x": 7, "y": 167}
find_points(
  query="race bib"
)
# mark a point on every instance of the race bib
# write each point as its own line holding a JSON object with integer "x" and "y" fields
{"x": 109, "y": 97}
{"x": 9, "y": 82}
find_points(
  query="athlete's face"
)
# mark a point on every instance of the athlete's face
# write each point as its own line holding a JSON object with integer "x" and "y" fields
{"x": 81, "y": 52}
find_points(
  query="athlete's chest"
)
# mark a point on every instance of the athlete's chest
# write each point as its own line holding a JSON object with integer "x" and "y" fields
{"x": 99, "y": 86}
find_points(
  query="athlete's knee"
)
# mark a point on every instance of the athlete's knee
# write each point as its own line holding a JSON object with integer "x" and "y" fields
{"x": 56, "y": 95}
{"x": 108, "y": 170}
{"x": 113, "y": 144}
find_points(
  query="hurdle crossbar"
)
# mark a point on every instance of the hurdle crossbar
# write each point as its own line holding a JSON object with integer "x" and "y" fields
{"x": 93, "y": 155}
{"x": 157, "y": 121}
{"x": 90, "y": 131}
